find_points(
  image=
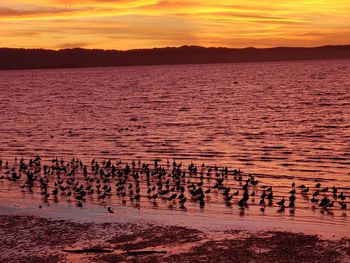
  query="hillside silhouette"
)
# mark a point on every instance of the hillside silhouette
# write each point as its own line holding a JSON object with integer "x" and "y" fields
{"x": 13, "y": 58}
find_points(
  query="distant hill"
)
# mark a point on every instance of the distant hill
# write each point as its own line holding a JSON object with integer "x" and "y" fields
{"x": 11, "y": 58}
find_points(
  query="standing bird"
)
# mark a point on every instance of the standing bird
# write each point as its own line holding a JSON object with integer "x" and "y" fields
{"x": 305, "y": 190}
{"x": 281, "y": 203}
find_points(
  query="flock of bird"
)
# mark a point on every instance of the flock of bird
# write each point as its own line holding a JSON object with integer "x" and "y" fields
{"x": 173, "y": 183}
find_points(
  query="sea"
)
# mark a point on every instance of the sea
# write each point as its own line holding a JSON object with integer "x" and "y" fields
{"x": 279, "y": 121}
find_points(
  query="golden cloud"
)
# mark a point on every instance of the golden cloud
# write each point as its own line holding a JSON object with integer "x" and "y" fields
{"x": 123, "y": 24}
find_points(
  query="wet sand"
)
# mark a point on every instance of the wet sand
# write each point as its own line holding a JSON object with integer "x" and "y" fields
{"x": 35, "y": 239}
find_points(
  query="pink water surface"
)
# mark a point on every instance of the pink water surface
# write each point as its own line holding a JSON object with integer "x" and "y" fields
{"x": 282, "y": 121}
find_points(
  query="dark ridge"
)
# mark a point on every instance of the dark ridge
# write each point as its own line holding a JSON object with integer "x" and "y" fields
{"x": 12, "y": 58}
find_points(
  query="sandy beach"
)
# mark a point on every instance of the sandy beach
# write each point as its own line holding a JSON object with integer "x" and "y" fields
{"x": 36, "y": 239}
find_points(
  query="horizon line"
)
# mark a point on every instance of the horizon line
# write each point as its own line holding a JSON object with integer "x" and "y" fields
{"x": 177, "y": 47}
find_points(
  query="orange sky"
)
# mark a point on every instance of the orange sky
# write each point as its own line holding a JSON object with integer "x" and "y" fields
{"x": 127, "y": 24}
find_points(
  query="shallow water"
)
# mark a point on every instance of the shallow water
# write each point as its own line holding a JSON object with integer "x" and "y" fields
{"x": 282, "y": 121}
{"x": 215, "y": 215}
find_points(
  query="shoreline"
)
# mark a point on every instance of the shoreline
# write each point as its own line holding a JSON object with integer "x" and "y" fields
{"x": 37, "y": 239}
{"x": 200, "y": 220}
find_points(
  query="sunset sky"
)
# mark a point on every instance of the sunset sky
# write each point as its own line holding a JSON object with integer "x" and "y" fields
{"x": 128, "y": 24}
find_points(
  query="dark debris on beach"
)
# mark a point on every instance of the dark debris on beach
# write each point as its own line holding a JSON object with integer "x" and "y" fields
{"x": 33, "y": 239}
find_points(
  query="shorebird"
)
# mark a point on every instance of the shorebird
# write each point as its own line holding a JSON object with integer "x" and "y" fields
{"x": 342, "y": 196}
{"x": 324, "y": 202}
{"x": 334, "y": 190}
{"x": 281, "y": 203}
{"x": 324, "y": 190}
{"x": 305, "y": 190}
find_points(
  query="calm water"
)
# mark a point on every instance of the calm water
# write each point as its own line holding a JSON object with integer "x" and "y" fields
{"x": 282, "y": 121}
